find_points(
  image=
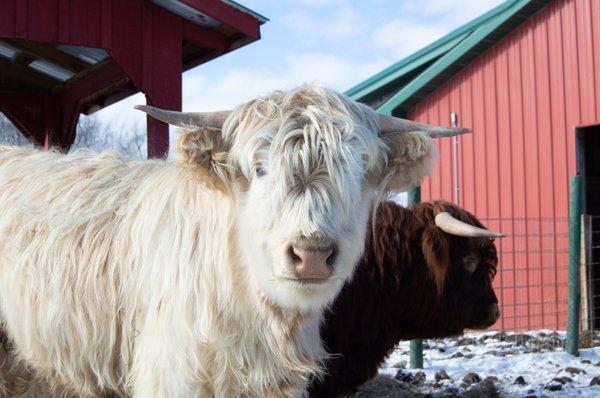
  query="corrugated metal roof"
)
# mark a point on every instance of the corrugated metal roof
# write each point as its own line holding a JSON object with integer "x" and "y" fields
{"x": 402, "y": 85}
{"x": 8, "y": 51}
{"x": 86, "y": 54}
{"x": 261, "y": 18}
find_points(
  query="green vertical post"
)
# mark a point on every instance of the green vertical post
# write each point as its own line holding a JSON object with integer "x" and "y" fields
{"x": 416, "y": 346}
{"x": 414, "y": 195}
{"x": 572, "y": 344}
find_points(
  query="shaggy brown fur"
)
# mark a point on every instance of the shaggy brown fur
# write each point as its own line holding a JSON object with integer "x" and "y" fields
{"x": 414, "y": 281}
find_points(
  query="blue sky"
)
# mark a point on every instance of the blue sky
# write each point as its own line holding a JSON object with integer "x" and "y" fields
{"x": 338, "y": 43}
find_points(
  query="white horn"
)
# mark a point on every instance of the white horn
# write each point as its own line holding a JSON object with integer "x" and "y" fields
{"x": 391, "y": 124}
{"x": 186, "y": 119}
{"x": 451, "y": 225}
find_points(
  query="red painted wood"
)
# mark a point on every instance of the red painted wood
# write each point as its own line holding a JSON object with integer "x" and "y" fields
{"x": 64, "y": 16}
{"x": 203, "y": 37}
{"x": 523, "y": 97}
{"x": 144, "y": 39}
{"x": 41, "y": 117}
{"x": 92, "y": 84}
{"x": 8, "y": 19}
{"x": 106, "y": 23}
{"x": 41, "y": 21}
{"x": 24, "y": 110}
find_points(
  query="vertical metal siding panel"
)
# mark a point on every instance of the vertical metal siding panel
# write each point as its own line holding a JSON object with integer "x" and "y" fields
{"x": 454, "y": 107}
{"x": 493, "y": 158}
{"x": 572, "y": 92}
{"x": 560, "y": 135}
{"x": 432, "y": 116}
{"x": 546, "y": 175}
{"x": 418, "y": 114}
{"x": 585, "y": 60}
{"x": 478, "y": 99}
{"x": 468, "y": 176}
{"x": 595, "y": 22}
{"x": 446, "y": 160}
{"x": 516, "y": 116}
{"x": 506, "y": 245}
{"x": 491, "y": 134}
{"x": 573, "y": 103}
{"x": 532, "y": 172}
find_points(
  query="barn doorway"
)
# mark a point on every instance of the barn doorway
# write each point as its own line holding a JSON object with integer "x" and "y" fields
{"x": 588, "y": 166}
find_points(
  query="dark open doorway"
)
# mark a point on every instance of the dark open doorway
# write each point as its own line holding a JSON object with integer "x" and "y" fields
{"x": 588, "y": 166}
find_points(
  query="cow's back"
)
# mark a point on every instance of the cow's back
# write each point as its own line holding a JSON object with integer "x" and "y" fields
{"x": 59, "y": 215}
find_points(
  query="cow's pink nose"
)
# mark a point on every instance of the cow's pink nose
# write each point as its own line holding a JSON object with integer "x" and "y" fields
{"x": 312, "y": 263}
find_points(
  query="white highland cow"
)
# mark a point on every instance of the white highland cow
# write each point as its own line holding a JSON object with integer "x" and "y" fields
{"x": 207, "y": 276}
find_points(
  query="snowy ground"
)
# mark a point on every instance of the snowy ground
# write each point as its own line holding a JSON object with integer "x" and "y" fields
{"x": 532, "y": 364}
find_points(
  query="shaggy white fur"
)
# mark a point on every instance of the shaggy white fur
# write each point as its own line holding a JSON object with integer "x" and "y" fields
{"x": 153, "y": 279}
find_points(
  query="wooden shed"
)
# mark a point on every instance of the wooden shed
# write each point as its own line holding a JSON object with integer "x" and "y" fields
{"x": 526, "y": 77}
{"x": 60, "y": 58}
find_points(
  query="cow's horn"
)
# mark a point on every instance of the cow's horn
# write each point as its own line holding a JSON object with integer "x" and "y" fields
{"x": 186, "y": 119}
{"x": 451, "y": 225}
{"x": 391, "y": 124}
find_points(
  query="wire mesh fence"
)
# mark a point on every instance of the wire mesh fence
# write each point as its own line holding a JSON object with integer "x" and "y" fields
{"x": 590, "y": 283}
{"x": 532, "y": 279}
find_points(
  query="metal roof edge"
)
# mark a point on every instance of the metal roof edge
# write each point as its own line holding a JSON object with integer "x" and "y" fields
{"x": 447, "y": 60}
{"x": 261, "y": 18}
{"x": 408, "y": 68}
{"x": 469, "y": 26}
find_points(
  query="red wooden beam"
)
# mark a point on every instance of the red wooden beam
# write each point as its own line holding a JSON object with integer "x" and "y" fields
{"x": 204, "y": 37}
{"x": 231, "y": 16}
{"x": 59, "y": 123}
{"x": 109, "y": 76}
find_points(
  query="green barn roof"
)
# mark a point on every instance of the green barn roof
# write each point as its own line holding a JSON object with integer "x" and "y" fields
{"x": 399, "y": 87}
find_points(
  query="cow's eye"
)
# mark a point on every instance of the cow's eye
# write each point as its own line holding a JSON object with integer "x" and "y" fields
{"x": 260, "y": 171}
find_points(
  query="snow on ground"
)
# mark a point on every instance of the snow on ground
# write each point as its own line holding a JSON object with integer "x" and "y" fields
{"x": 536, "y": 357}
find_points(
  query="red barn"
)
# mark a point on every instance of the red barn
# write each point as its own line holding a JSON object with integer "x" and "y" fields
{"x": 526, "y": 77}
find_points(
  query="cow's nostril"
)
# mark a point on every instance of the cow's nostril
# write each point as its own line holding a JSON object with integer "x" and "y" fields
{"x": 293, "y": 255}
{"x": 331, "y": 259}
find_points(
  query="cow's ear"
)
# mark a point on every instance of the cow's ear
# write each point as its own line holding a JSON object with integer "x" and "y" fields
{"x": 206, "y": 153}
{"x": 437, "y": 255}
{"x": 409, "y": 159}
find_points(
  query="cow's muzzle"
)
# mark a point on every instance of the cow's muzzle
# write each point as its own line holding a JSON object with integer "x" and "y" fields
{"x": 312, "y": 262}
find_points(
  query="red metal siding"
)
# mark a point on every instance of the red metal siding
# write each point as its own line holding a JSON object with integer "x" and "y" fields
{"x": 523, "y": 98}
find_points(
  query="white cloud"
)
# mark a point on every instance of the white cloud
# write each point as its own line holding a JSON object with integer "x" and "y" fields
{"x": 238, "y": 85}
{"x": 402, "y": 37}
{"x": 448, "y": 10}
{"x": 319, "y": 2}
{"x": 312, "y": 27}
{"x": 421, "y": 22}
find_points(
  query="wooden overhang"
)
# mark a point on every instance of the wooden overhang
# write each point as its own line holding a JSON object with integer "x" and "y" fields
{"x": 61, "y": 58}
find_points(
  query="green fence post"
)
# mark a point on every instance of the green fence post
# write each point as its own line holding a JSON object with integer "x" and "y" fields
{"x": 572, "y": 344}
{"x": 416, "y": 346}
